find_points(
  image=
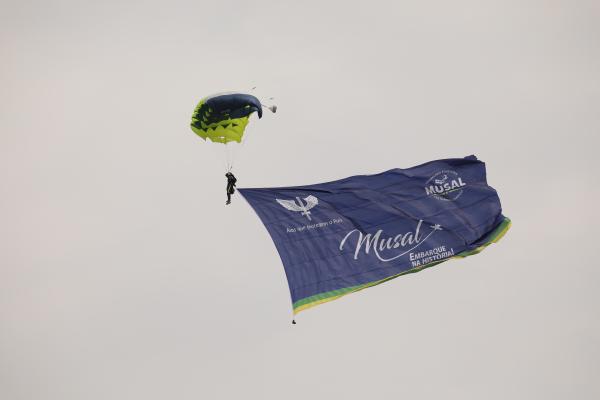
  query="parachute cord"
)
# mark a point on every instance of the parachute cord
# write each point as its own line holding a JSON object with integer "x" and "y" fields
{"x": 242, "y": 145}
{"x": 228, "y": 158}
{"x": 229, "y": 161}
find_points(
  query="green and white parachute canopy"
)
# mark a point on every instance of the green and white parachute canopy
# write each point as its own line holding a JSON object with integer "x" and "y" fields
{"x": 222, "y": 118}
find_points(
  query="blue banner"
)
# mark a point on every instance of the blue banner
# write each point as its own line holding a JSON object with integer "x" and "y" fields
{"x": 338, "y": 237}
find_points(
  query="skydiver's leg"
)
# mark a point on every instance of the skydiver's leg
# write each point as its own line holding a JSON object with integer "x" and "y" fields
{"x": 228, "y": 198}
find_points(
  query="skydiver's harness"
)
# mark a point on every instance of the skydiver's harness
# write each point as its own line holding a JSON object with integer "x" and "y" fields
{"x": 231, "y": 181}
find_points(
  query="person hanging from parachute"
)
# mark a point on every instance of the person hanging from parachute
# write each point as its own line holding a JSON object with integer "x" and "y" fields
{"x": 231, "y": 180}
{"x": 223, "y": 118}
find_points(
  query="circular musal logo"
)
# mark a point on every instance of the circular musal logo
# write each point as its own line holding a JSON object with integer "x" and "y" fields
{"x": 445, "y": 185}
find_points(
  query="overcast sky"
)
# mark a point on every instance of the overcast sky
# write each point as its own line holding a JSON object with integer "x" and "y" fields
{"x": 123, "y": 276}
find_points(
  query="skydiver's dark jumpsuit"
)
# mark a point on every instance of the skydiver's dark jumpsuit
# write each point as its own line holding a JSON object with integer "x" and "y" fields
{"x": 230, "y": 186}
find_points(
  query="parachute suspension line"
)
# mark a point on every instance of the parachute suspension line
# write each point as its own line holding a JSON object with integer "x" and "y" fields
{"x": 231, "y": 112}
{"x": 228, "y": 158}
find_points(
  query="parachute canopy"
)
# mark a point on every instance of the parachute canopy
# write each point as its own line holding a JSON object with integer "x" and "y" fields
{"x": 223, "y": 118}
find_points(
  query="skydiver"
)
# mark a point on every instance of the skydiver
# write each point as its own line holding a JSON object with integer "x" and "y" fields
{"x": 231, "y": 180}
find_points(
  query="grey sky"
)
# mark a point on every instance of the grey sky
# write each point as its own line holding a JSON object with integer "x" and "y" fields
{"x": 124, "y": 276}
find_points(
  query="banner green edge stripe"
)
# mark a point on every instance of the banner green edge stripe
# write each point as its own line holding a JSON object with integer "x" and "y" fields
{"x": 308, "y": 302}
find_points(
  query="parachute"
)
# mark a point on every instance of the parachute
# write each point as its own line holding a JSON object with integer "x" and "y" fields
{"x": 223, "y": 118}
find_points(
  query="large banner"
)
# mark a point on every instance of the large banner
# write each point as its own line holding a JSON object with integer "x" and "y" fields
{"x": 338, "y": 237}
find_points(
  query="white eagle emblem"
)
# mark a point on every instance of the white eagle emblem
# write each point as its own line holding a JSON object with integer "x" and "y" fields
{"x": 298, "y": 205}
{"x": 441, "y": 181}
